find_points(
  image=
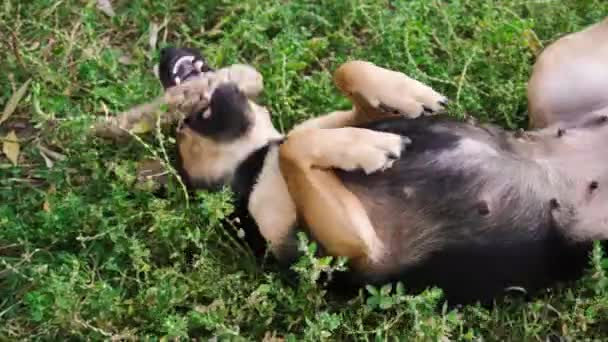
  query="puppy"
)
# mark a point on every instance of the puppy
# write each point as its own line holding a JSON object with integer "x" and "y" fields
{"x": 427, "y": 200}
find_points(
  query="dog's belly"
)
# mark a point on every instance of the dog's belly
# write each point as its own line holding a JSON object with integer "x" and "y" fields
{"x": 459, "y": 210}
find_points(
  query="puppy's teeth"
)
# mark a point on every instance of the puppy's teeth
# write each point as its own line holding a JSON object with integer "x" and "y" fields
{"x": 198, "y": 65}
{"x": 206, "y": 114}
{"x": 177, "y": 80}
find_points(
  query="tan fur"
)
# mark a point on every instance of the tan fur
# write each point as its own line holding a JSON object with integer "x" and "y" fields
{"x": 570, "y": 78}
{"x": 210, "y": 161}
{"x": 346, "y": 221}
{"x": 335, "y": 119}
{"x": 298, "y": 181}
{"x": 187, "y": 97}
{"x": 194, "y": 95}
{"x": 332, "y": 213}
{"x": 276, "y": 220}
{"x": 569, "y": 86}
{"x": 373, "y": 89}
{"x": 402, "y": 246}
{"x": 568, "y": 83}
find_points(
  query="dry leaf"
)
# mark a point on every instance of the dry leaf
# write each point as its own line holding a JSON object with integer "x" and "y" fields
{"x": 34, "y": 46}
{"x": 141, "y": 127}
{"x": 106, "y": 7}
{"x": 48, "y": 161}
{"x": 106, "y": 111}
{"x": 52, "y": 154}
{"x": 11, "y": 147}
{"x": 151, "y": 175}
{"x": 12, "y": 103}
{"x": 7, "y": 7}
{"x": 272, "y": 337}
{"x": 153, "y": 39}
{"x": 150, "y": 168}
{"x": 88, "y": 52}
{"x": 46, "y": 206}
{"x": 532, "y": 41}
{"x": 125, "y": 59}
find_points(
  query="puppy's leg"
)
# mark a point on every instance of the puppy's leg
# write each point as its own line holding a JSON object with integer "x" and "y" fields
{"x": 570, "y": 78}
{"x": 381, "y": 92}
{"x": 334, "y": 216}
{"x": 335, "y": 119}
{"x": 193, "y": 96}
{"x": 377, "y": 93}
{"x": 188, "y": 79}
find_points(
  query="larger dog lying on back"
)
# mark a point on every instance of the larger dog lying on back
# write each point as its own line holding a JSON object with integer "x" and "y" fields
{"x": 429, "y": 200}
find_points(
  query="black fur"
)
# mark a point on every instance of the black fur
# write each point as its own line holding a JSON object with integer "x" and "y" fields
{"x": 485, "y": 244}
{"x": 227, "y": 117}
{"x": 169, "y": 56}
{"x": 242, "y": 185}
{"x": 513, "y": 244}
{"x": 228, "y": 120}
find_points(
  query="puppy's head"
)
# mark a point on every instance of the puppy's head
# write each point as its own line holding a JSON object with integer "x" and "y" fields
{"x": 226, "y": 119}
{"x": 178, "y": 65}
{"x": 214, "y": 141}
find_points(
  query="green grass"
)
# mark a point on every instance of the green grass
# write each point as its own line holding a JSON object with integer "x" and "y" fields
{"x": 85, "y": 254}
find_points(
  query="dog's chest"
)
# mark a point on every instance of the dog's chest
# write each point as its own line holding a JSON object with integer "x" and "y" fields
{"x": 270, "y": 204}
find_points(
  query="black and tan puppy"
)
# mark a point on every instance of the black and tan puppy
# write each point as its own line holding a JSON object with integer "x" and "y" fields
{"x": 426, "y": 200}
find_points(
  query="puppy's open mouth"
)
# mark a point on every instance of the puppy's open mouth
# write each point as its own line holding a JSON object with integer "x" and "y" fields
{"x": 185, "y": 68}
{"x": 178, "y": 65}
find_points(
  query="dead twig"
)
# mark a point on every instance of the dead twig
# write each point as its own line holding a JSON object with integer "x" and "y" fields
{"x": 143, "y": 115}
{"x": 15, "y": 47}
{"x": 170, "y": 107}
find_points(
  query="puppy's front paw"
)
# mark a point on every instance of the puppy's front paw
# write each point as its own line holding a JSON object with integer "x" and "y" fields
{"x": 189, "y": 97}
{"x": 248, "y": 79}
{"x": 378, "y": 151}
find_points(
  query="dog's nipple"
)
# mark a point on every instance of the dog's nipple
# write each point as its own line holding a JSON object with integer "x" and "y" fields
{"x": 594, "y": 185}
{"x": 483, "y": 208}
